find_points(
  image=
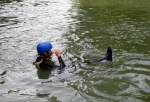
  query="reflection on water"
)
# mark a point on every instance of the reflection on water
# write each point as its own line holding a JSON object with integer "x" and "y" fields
{"x": 82, "y": 29}
{"x": 43, "y": 74}
{"x": 125, "y": 26}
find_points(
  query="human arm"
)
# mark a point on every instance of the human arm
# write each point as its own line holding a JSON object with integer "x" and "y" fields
{"x": 49, "y": 64}
{"x": 62, "y": 64}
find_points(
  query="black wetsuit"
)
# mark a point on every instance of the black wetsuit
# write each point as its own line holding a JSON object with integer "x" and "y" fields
{"x": 47, "y": 63}
{"x": 107, "y": 57}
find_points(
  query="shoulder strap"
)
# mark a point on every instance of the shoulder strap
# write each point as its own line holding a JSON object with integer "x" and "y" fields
{"x": 37, "y": 64}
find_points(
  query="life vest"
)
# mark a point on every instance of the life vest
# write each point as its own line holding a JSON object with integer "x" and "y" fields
{"x": 37, "y": 64}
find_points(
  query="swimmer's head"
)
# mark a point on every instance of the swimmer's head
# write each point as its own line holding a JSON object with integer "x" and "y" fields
{"x": 44, "y": 47}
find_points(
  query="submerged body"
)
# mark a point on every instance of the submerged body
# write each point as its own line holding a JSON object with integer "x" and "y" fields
{"x": 44, "y": 60}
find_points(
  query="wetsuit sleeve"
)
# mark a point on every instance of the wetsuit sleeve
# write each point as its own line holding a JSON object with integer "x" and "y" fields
{"x": 62, "y": 64}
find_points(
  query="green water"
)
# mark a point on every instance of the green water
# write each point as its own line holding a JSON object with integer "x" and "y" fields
{"x": 82, "y": 30}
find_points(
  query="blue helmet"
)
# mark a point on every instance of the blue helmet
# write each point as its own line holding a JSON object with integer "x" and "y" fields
{"x": 43, "y": 47}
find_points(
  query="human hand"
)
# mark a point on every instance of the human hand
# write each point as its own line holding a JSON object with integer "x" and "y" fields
{"x": 57, "y": 52}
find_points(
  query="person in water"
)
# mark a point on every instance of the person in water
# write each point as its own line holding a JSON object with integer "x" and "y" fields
{"x": 44, "y": 59}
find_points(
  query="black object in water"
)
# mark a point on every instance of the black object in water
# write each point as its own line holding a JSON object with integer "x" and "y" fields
{"x": 107, "y": 57}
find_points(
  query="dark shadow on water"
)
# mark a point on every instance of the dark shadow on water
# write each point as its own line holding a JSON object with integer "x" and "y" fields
{"x": 42, "y": 95}
{"x": 9, "y": 1}
{"x": 43, "y": 73}
{"x": 46, "y": 73}
{"x": 6, "y": 21}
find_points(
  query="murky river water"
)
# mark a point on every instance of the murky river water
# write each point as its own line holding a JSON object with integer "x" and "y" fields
{"x": 82, "y": 30}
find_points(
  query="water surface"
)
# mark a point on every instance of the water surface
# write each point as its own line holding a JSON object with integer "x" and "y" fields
{"x": 82, "y": 30}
